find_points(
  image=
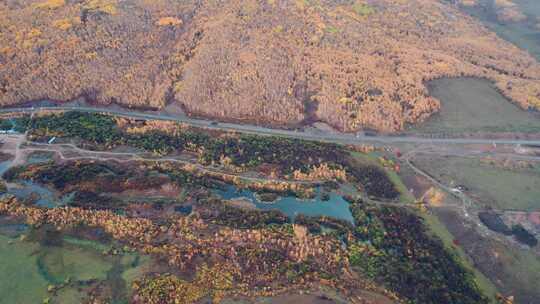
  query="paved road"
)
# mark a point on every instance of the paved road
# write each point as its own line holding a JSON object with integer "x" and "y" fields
{"x": 245, "y": 128}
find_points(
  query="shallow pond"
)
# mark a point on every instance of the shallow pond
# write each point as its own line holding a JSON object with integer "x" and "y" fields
{"x": 335, "y": 206}
{"x": 27, "y": 189}
{"x": 42, "y": 195}
{"x": 474, "y": 105}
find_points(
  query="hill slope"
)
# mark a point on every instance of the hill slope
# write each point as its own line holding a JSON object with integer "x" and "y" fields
{"x": 351, "y": 64}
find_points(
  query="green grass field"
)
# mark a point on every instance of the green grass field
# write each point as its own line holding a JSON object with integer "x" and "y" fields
{"x": 28, "y": 268}
{"x": 520, "y": 267}
{"x": 496, "y": 187}
{"x": 58, "y": 264}
{"x": 474, "y": 105}
{"x": 20, "y": 280}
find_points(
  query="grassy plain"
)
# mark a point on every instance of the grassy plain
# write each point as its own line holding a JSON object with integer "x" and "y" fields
{"x": 80, "y": 264}
{"x": 20, "y": 280}
{"x": 492, "y": 186}
{"x": 29, "y": 268}
{"x": 474, "y": 105}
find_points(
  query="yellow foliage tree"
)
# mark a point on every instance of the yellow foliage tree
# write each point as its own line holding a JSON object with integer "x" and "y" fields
{"x": 49, "y": 4}
{"x": 169, "y": 21}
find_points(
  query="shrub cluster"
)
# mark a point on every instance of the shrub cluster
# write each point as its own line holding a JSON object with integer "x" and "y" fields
{"x": 223, "y": 214}
{"x": 243, "y": 150}
{"x": 394, "y": 247}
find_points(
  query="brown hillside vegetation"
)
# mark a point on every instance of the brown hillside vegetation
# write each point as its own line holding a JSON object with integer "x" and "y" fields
{"x": 351, "y": 64}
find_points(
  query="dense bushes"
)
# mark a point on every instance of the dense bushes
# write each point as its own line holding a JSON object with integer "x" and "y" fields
{"x": 285, "y": 154}
{"x": 89, "y": 181}
{"x": 394, "y": 247}
{"x": 106, "y": 177}
{"x": 188, "y": 179}
{"x": 289, "y": 154}
{"x": 64, "y": 175}
{"x": 223, "y": 214}
{"x": 243, "y": 150}
{"x": 96, "y": 128}
{"x": 21, "y": 123}
{"x": 97, "y": 201}
{"x": 72, "y": 174}
{"x": 315, "y": 224}
{"x": 375, "y": 181}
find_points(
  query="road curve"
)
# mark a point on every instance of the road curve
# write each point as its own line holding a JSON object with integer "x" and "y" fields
{"x": 339, "y": 138}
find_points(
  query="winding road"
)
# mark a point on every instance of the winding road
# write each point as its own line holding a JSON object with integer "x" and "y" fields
{"x": 340, "y": 138}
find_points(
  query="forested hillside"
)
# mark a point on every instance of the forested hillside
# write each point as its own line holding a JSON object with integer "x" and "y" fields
{"x": 350, "y": 64}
